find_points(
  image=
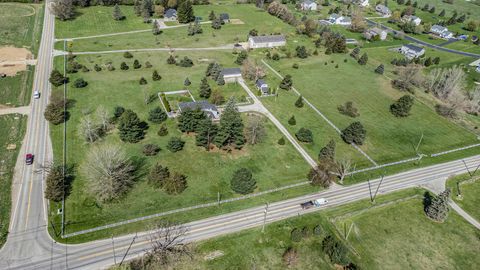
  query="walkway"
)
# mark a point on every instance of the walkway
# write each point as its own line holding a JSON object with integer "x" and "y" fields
{"x": 464, "y": 214}
{"x": 224, "y": 47}
{"x": 25, "y": 110}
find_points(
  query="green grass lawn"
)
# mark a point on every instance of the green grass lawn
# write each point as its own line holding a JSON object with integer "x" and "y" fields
{"x": 208, "y": 173}
{"x": 250, "y": 17}
{"x": 21, "y": 25}
{"x": 12, "y": 129}
{"x": 469, "y": 191}
{"x": 388, "y": 138}
{"x": 15, "y": 91}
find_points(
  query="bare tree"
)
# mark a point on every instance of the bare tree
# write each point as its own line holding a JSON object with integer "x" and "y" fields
{"x": 167, "y": 240}
{"x": 89, "y": 130}
{"x": 255, "y": 129}
{"x": 109, "y": 172}
{"x": 342, "y": 168}
{"x": 63, "y": 9}
{"x": 252, "y": 71}
{"x": 443, "y": 82}
{"x": 104, "y": 118}
{"x": 358, "y": 21}
{"x": 410, "y": 74}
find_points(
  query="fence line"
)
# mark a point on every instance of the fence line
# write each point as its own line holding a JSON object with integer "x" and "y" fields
{"x": 454, "y": 150}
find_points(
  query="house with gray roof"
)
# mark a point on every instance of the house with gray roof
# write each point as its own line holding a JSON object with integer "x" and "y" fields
{"x": 272, "y": 41}
{"x": 383, "y": 10}
{"x": 412, "y": 19}
{"x": 170, "y": 15}
{"x": 231, "y": 75}
{"x": 210, "y": 109}
{"x": 308, "y": 5}
{"x": 262, "y": 86}
{"x": 441, "y": 31}
{"x": 412, "y": 51}
{"x": 224, "y": 17}
{"x": 339, "y": 19}
{"x": 375, "y": 33}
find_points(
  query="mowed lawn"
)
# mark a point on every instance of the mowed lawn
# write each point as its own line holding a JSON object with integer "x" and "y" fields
{"x": 388, "y": 138}
{"x": 98, "y": 20}
{"x": 469, "y": 192}
{"x": 208, "y": 172}
{"x": 20, "y": 25}
{"x": 249, "y": 18}
{"x": 12, "y": 129}
{"x": 400, "y": 236}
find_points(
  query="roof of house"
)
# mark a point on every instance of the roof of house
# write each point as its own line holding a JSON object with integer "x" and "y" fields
{"x": 260, "y": 82}
{"x": 334, "y": 16}
{"x": 170, "y": 13}
{"x": 413, "y": 48}
{"x": 224, "y": 16}
{"x": 382, "y": 8}
{"x": 346, "y": 19}
{"x": 265, "y": 39}
{"x": 308, "y": 2}
{"x": 438, "y": 28}
{"x": 202, "y": 105}
{"x": 231, "y": 72}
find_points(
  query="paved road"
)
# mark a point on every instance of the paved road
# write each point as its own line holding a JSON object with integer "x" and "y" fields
{"x": 436, "y": 47}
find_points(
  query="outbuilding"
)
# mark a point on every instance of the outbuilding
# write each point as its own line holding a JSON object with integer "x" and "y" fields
{"x": 272, "y": 41}
{"x": 231, "y": 75}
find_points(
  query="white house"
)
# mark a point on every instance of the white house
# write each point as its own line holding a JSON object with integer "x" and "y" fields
{"x": 210, "y": 109}
{"x": 441, "y": 31}
{"x": 383, "y": 10}
{"x": 372, "y": 33}
{"x": 412, "y": 19}
{"x": 412, "y": 51}
{"x": 262, "y": 86}
{"x": 308, "y": 5}
{"x": 340, "y": 20}
{"x": 170, "y": 15}
{"x": 363, "y": 3}
{"x": 266, "y": 41}
{"x": 231, "y": 75}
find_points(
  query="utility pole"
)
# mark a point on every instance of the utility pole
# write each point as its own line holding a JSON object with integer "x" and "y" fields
{"x": 218, "y": 197}
{"x": 468, "y": 169}
{"x": 265, "y": 217}
{"x": 64, "y": 135}
{"x": 126, "y": 253}
{"x": 378, "y": 187}
{"x": 113, "y": 249}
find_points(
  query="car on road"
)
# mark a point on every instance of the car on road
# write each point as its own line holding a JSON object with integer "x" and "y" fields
{"x": 36, "y": 94}
{"x": 314, "y": 203}
{"x": 29, "y": 159}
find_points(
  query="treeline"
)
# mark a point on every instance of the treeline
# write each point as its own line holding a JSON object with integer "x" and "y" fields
{"x": 86, "y": 3}
{"x": 21, "y": 1}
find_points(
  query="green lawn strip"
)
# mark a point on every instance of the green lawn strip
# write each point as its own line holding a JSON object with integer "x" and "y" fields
{"x": 177, "y": 37}
{"x": 469, "y": 190}
{"x": 208, "y": 173}
{"x": 401, "y": 236}
{"x": 15, "y": 91}
{"x": 388, "y": 138}
{"x": 11, "y": 132}
{"x": 97, "y": 20}
{"x": 20, "y": 25}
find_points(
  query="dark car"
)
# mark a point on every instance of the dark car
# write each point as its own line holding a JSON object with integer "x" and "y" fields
{"x": 29, "y": 159}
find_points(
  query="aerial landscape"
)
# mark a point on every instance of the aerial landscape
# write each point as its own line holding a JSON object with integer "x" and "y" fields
{"x": 239, "y": 134}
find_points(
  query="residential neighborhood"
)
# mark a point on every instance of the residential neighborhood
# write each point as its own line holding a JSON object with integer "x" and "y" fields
{"x": 226, "y": 134}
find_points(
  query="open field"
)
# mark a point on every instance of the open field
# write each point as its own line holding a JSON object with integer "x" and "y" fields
{"x": 177, "y": 37}
{"x": 12, "y": 129}
{"x": 469, "y": 191}
{"x": 15, "y": 91}
{"x": 388, "y": 138}
{"x": 208, "y": 173}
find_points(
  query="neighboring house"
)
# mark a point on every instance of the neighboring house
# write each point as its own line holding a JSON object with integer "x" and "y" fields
{"x": 441, "y": 31}
{"x": 412, "y": 19}
{"x": 210, "y": 109}
{"x": 262, "y": 86}
{"x": 231, "y": 75}
{"x": 412, "y": 51}
{"x": 383, "y": 10}
{"x": 224, "y": 17}
{"x": 363, "y": 3}
{"x": 340, "y": 20}
{"x": 308, "y": 5}
{"x": 478, "y": 69}
{"x": 266, "y": 41}
{"x": 373, "y": 33}
{"x": 170, "y": 15}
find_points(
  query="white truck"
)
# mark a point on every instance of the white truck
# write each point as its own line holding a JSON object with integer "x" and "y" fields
{"x": 314, "y": 203}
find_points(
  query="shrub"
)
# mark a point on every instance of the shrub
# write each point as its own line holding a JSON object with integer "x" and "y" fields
{"x": 281, "y": 141}
{"x": 317, "y": 230}
{"x": 142, "y": 81}
{"x": 150, "y": 149}
{"x": 118, "y": 111}
{"x": 148, "y": 64}
{"x": 275, "y": 57}
{"x": 171, "y": 60}
{"x": 348, "y": 109}
{"x": 295, "y": 66}
{"x": 299, "y": 102}
{"x": 354, "y": 133}
{"x": 136, "y": 64}
{"x": 304, "y": 135}
{"x": 175, "y": 144}
{"x": 97, "y": 68}
{"x": 156, "y": 76}
{"x": 290, "y": 257}
{"x": 336, "y": 250}
{"x": 124, "y": 66}
{"x": 127, "y": 55}
{"x": 158, "y": 175}
{"x": 56, "y": 78}
{"x": 402, "y": 107}
{"x": 176, "y": 184}
{"x": 242, "y": 181}
{"x": 380, "y": 69}
{"x": 301, "y": 52}
{"x": 80, "y": 83}
{"x": 186, "y": 62}
{"x": 296, "y": 235}
{"x": 292, "y": 121}
{"x": 163, "y": 131}
{"x": 306, "y": 232}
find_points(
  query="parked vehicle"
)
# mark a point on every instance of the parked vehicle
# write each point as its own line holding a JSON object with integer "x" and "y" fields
{"x": 36, "y": 94}
{"x": 29, "y": 159}
{"x": 3, "y": 75}
{"x": 314, "y": 203}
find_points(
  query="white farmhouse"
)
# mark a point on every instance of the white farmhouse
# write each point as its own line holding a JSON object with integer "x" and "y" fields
{"x": 373, "y": 33}
{"x": 441, "y": 31}
{"x": 363, "y": 3}
{"x": 383, "y": 10}
{"x": 412, "y": 19}
{"x": 412, "y": 51}
{"x": 255, "y": 42}
{"x": 308, "y": 5}
{"x": 339, "y": 20}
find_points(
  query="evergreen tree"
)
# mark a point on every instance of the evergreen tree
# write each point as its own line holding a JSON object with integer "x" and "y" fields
{"x": 127, "y": 55}
{"x": 197, "y": 27}
{"x": 461, "y": 19}
{"x": 124, "y": 66}
{"x": 175, "y": 144}
{"x": 230, "y": 132}
{"x": 156, "y": 76}
{"x": 301, "y": 52}
{"x": 117, "y": 13}
{"x": 97, "y": 68}
{"x": 220, "y": 80}
{"x": 380, "y": 69}
{"x": 190, "y": 30}
{"x": 137, "y": 7}
{"x": 242, "y": 181}
{"x": 136, "y": 64}
{"x": 281, "y": 141}
{"x": 185, "y": 12}
{"x": 163, "y": 131}
{"x": 436, "y": 60}
{"x": 56, "y": 78}
{"x": 428, "y": 62}
{"x": 216, "y": 24}
{"x": 304, "y": 135}
{"x": 432, "y": 10}
{"x": 438, "y": 209}
{"x": 158, "y": 175}
{"x": 186, "y": 62}
{"x": 142, "y": 81}
{"x": 206, "y": 133}
{"x": 442, "y": 13}
{"x": 130, "y": 127}
{"x": 176, "y": 184}
{"x": 156, "y": 28}
{"x": 354, "y": 133}
{"x": 157, "y": 115}
{"x": 286, "y": 83}
{"x": 211, "y": 16}
{"x": 189, "y": 120}
{"x": 205, "y": 90}
{"x": 402, "y": 107}
{"x": 299, "y": 102}
{"x": 363, "y": 60}
{"x": 241, "y": 57}
{"x": 215, "y": 71}
{"x": 171, "y": 60}
{"x": 355, "y": 53}
{"x": 80, "y": 83}
{"x": 210, "y": 66}
{"x": 328, "y": 151}
{"x": 117, "y": 112}
{"x": 292, "y": 121}
{"x": 187, "y": 82}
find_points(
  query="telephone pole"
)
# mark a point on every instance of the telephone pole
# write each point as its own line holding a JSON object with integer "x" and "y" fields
{"x": 265, "y": 217}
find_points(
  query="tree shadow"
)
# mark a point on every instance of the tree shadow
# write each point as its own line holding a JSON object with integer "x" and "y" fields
{"x": 427, "y": 200}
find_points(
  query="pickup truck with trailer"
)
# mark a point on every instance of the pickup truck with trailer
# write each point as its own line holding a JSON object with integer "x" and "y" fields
{"x": 314, "y": 203}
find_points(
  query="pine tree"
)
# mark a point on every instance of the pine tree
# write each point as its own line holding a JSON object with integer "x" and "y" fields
{"x": 124, "y": 66}
{"x": 380, "y": 69}
{"x": 136, "y": 64}
{"x": 158, "y": 175}
{"x": 438, "y": 207}
{"x": 205, "y": 90}
{"x": 206, "y": 133}
{"x": 156, "y": 76}
{"x": 442, "y": 13}
{"x": 156, "y": 28}
{"x": 363, "y": 60}
{"x": 175, "y": 144}
{"x": 432, "y": 10}
{"x": 130, "y": 127}
{"x": 197, "y": 27}
{"x": 176, "y": 184}
{"x": 185, "y": 12}
{"x": 157, "y": 115}
{"x": 461, "y": 19}
{"x": 211, "y": 16}
{"x": 281, "y": 141}
{"x": 242, "y": 181}
{"x": 171, "y": 60}
{"x": 436, "y": 60}
{"x": 127, "y": 55}
{"x": 137, "y": 7}
{"x": 301, "y": 52}
{"x": 220, "y": 80}
{"x": 286, "y": 82}
{"x": 299, "y": 102}
{"x": 241, "y": 57}
{"x": 215, "y": 71}
{"x": 354, "y": 133}
{"x": 355, "y": 52}
{"x": 328, "y": 151}
{"x": 187, "y": 82}
{"x": 189, "y": 120}
{"x": 142, "y": 81}
{"x": 190, "y": 30}
{"x": 163, "y": 131}
{"x": 402, "y": 107}
{"x": 117, "y": 13}
{"x": 428, "y": 62}
{"x": 304, "y": 135}
{"x": 230, "y": 132}
{"x": 292, "y": 121}
{"x": 216, "y": 24}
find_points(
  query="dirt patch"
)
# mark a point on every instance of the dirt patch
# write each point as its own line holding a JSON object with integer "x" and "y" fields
{"x": 14, "y": 60}
{"x": 236, "y": 21}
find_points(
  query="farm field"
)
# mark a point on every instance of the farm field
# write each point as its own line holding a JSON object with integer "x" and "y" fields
{"x": 388, "y": 138}
{"x": 11, "y": 133}
{"x": 15, "y": 91}
{"x": 272, "y": 165}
